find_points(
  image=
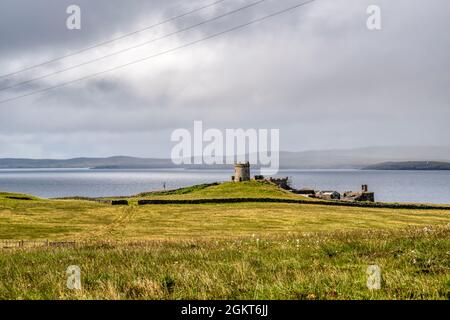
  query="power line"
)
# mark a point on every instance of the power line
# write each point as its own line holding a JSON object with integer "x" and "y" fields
{"x": 133, "y": 47}
{"x": 189, "y": 44}
{"x": 112, "y": 40}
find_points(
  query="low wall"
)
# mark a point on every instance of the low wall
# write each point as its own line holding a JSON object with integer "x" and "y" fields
{"x": 117, "y": 202}
{"x": 295, "y": 201}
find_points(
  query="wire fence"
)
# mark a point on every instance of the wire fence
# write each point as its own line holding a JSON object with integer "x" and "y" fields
{"x": 30, "y": 244}
{"x": 6, "y": 244}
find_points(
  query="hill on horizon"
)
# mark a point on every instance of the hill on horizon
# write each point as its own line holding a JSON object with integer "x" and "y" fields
{"x": 410, "y": 165}
{"x": 315, "y": 159}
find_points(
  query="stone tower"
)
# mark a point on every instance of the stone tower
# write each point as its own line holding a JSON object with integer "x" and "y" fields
{"x": 241, "y": 172}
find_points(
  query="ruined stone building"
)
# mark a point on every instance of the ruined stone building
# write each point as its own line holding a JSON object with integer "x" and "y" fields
{"x": 364, "y": 195}
{"x": 241, "y": 172}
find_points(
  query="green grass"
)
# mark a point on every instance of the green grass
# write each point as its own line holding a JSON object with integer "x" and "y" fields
{"x": 87, "y": 220}
{"x": 186, "y": 190}
{"x": 211, "y": 250}
{"x": 248, "y": 189}
{"x": 415, "y": 264}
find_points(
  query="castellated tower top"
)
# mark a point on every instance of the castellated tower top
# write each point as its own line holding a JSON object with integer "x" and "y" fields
{"x": 241, "y": 172}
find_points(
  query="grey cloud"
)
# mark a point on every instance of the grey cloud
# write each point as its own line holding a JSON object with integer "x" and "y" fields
{"x": 317, "y": 74}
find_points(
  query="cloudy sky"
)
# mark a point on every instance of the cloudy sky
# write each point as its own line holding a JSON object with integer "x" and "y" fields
{"x": 316, "y": 73}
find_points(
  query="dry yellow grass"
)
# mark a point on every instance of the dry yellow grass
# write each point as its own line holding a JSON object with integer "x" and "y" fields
{"x": 223, "y": 251}
{"x": 75, "y": 220}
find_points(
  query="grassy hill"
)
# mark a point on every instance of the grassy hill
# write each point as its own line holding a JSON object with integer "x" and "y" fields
{"x": 74, "y": 219}
{"x": 248, "y": 189}
{"x": 212, "y": 251}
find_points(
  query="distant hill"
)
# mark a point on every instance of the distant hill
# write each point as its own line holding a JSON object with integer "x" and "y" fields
{"x": 410, "y": 165}
{"x": 321, "y": 159}
{"x": 361, "y": 157}
{"x": 99, "y": 163}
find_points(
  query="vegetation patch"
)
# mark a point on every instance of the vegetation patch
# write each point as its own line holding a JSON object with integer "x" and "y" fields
{"x": 185, "y": 190}
{"x": 414, "y": 264}
{"x": 18, "y": 198}
{"x": 232, "y": 249}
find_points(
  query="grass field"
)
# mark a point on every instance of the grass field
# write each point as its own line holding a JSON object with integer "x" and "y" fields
{"x": 212, "y": 251}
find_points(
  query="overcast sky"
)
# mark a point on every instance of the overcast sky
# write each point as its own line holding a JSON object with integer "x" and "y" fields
{"x": 316, "y": 73}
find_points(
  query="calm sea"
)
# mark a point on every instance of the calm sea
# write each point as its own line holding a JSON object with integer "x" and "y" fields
{"x": 403, "y": 186}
